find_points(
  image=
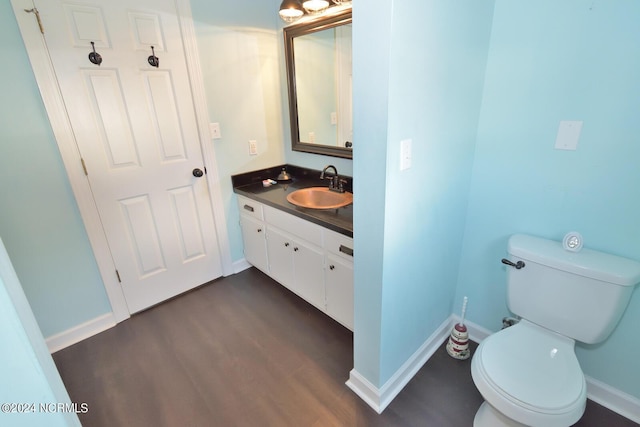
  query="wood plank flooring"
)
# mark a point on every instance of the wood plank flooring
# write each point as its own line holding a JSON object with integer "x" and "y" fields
{"x": 244, "y": 351}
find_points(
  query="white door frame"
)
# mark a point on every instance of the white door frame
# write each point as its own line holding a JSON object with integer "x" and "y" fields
{"x": 63, "y": 133}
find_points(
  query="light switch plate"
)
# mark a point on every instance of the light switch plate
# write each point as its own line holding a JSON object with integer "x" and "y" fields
{"x": 253, "y": 147}
{"x": 568, "y": 134}
{"x": 214, "y": 128}
{"x": 405, "y": 154}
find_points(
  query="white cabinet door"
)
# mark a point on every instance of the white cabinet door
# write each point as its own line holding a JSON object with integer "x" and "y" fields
{"x": 280, "y": 254}
{"x": 308, "y": 264}
{"x": 297, "y": 265}
{"x": 339, "y": 289}
{"x": 255, "y": 244}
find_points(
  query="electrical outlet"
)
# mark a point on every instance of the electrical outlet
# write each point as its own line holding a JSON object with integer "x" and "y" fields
{"x": 253, "y": 147}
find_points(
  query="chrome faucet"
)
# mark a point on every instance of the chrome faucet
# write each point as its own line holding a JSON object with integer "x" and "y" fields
{"x": 335, "y": 183}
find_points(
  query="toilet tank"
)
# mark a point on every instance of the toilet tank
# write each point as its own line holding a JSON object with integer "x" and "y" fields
{"x": 581, "y": 295}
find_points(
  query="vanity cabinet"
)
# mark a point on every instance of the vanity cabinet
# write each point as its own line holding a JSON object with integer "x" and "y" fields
{"x": 313, "y": 262}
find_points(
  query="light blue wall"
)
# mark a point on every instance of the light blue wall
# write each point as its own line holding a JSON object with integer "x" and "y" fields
{"x": 418, "y": 74}
{"x": 27, "y": 371}
{"x": 242, "y": 57}
{"x": 239, "y": 44}
{"x": 371, "y": 48}
{"x": 551, "y": 61}
{"x": 39, "y": 219}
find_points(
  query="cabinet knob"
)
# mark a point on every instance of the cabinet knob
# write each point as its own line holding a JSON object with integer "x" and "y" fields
{"x": 259, "y": 230}
{"x": 295, "y": 249}
{"x": 286, "y": 244}
{"x": 331, "y": 267}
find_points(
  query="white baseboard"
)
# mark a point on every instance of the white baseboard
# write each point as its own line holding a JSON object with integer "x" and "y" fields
{"x": 240, "y": 265}
{"x": 622, "y": 403}
{"x": 78, "y": 333}
{"x": 380, "y": 398}
{"x": 365, "y": 390}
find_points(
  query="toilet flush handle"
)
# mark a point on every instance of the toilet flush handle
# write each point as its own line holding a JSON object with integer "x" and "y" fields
{"x": 518, "y": 265}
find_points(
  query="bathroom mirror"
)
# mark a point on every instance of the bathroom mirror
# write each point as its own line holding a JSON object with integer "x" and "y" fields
{"x": 318, "y": 59}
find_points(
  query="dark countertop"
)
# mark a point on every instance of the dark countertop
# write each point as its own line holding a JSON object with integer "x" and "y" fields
{"x": 250, "y": 185}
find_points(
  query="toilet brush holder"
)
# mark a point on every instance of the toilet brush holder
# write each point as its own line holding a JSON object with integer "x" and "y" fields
{"x": 458, "y": 344}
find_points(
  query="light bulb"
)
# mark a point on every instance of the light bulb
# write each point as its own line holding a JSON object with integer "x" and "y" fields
{"x": 315, "y": 7}
{"x": 290, "y": 10}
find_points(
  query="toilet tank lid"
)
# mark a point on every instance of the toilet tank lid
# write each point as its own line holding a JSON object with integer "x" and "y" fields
{"x": 587, "y": 262}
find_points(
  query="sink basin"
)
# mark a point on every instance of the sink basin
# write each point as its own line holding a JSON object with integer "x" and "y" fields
{"x": 320, "y": 198}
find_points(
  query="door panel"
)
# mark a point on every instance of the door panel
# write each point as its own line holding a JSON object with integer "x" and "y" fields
{"x": 165, "y": 118}
{"x": 187, "y": 223}
{"x": 86, "y": 24}
{"x": 143, "y": 235}
{"x": 111, "y": 117}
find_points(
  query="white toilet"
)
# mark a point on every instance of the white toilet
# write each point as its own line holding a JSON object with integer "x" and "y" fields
{"x": 528, "y": 373}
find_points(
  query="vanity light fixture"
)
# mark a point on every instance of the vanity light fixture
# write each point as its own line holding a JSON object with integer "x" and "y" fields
{"x": 315, "y": 7}
{"x": 291, "y": 10}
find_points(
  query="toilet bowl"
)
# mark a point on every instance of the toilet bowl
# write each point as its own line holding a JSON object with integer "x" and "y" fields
{"x": 528, "y": 376}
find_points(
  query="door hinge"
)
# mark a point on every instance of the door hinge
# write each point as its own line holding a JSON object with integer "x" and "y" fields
{"x": 35, "y": 11}
{"x": 84, "y": 166}
{"x": 118, "y": 276}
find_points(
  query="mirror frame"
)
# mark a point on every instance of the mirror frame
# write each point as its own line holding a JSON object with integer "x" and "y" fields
{"x": 291, "y": 32}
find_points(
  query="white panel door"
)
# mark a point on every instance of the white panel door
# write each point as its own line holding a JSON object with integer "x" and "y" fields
{"x": 136, "y": 131}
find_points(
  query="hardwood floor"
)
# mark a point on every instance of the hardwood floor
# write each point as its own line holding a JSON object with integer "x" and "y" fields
{"x": 244, "y": 351}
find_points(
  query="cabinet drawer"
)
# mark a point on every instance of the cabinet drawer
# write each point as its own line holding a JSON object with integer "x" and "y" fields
{"x": 339, "y": 244}
{"x": 305, "y": 230}
{"x": 250, "y": 207}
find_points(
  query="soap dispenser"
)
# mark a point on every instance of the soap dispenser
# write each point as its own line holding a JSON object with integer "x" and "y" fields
{"x": 284, "y": 176}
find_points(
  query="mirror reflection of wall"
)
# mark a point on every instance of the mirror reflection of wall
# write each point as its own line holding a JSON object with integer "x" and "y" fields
{"x": 323, "y": 86}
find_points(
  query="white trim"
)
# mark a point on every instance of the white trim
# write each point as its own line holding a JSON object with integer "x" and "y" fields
{"x": 81, "y": 332}
{"x": 618, "y": 401}
{"x": 194, "y": 69}
{"x": 365, "y": 390}
{"x": 240, "y": 265}
{"x": 56, "y": 112}
{"x": 379, "y": 399}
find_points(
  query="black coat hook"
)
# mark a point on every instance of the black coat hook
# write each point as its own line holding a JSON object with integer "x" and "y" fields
{"x": 94, "y": 56}
{"x": 153, "y": 59}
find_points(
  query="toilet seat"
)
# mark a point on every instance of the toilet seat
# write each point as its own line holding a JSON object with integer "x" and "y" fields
{"x": 531, "y": 375}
